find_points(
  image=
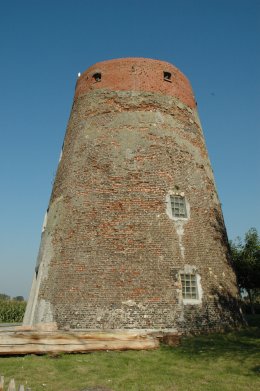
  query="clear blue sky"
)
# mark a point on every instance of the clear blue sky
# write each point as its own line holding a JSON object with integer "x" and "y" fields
{"x": 44, "y": 44}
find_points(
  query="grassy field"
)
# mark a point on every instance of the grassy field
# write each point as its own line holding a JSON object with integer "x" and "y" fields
{"x": 228, "y": 362}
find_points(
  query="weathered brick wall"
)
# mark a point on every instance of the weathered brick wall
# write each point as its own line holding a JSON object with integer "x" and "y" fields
{"x": 111, "y": 255}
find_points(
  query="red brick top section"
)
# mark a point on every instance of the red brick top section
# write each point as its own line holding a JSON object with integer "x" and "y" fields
{"x": 136, "y": 74}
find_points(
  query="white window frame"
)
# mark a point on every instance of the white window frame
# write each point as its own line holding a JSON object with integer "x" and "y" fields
{"x": 170, "y": 202}
{"x": 178, "y": 206}
{"x": 191, "y": 300}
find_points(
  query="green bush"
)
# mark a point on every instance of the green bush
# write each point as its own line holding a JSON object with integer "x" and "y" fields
{"x": 11, "y": 311}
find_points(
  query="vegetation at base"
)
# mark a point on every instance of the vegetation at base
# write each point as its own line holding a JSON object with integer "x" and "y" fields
{"x": 4, "y": 296}
{"x": 217, "y": 362}
{"x": 11, "y": 310}
{"x": 246, "y": 260}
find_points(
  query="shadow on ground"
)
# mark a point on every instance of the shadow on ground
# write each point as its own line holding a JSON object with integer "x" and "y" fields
{"x": 241, "y": 345}
{"x": 243, "y": 342}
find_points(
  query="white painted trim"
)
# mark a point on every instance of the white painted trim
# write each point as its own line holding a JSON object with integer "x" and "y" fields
{"x": 188, "y": 269}
{"x": 45, "y": 221}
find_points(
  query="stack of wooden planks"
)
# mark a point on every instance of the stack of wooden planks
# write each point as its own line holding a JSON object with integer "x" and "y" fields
{"x": 19, "y": 341}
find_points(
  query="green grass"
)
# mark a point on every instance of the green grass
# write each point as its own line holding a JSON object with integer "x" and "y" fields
{"x": 219, "y": 362}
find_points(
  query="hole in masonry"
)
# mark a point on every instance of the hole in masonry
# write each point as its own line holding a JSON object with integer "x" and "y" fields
{"x": 167, "y": 76}
{"x": 97, "y": 76}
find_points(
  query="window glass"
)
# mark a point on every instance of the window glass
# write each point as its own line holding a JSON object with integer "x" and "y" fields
{"x": 189, "y": 286}
{"x": 178, "y": 206}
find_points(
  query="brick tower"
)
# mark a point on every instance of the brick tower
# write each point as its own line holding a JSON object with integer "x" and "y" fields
{"x": 134, "y": 237}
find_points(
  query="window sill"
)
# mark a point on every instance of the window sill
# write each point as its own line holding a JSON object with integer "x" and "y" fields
{"x": 191, "y": 301}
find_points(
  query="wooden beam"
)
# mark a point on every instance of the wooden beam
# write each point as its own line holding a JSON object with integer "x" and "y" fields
{"x": 2, "y": 383}
{"x": 11, "y": 386}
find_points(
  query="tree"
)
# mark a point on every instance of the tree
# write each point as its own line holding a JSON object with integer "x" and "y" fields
{"x": 246, "y": 260}
{"x": 3, "y": 296}
{"x": 18, "y": 298}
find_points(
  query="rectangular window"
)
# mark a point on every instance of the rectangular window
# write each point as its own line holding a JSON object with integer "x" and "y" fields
{"x": 97, "y": 76}
{"x": 167, "y": 76}
{"x": 189, "y": 286}
{"x": 178, "y": 206}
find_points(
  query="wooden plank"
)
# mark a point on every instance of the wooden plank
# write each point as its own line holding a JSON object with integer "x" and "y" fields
{"x": 60, "y": 338}
{"x": 36, "y": 336}
{"x": 70, "y": 348}
{"x": 11, "y": 386}
{"x": 2, "y": 382}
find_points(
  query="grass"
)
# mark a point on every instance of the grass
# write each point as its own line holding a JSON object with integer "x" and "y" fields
{"x": 219, "y": 362}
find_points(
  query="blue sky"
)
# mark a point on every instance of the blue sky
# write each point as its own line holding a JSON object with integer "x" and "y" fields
{"x": 44, "y": 44}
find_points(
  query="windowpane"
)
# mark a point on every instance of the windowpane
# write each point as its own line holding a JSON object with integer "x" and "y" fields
{"x": 189, "y": 286}
{"x": 178, "y": 206}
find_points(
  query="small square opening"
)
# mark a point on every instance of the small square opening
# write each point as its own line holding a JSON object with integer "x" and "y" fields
{"x": 167, "y": 76}
{"x": 97, "y": 76}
